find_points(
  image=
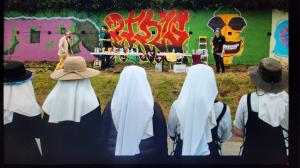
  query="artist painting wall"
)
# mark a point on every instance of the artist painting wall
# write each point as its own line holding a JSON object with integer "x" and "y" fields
{"x": 35, "y": 37}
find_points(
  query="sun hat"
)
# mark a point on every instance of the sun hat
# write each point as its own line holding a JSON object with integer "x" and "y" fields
{"x": 16, "y": 73}
{"x": 269, "y": 75}
{"x": 74, "y": 68}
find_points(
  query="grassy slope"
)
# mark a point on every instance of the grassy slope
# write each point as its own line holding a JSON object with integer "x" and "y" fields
{"x": 165, "y": 86}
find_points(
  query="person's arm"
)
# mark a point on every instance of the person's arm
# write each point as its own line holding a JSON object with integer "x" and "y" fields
{"x": 106, "y": 37}
{"x": 225, "y": 129}
{"x": 224, "y": 46}
{"x": 239, "y": 123}
{"x": 172, "y": 122}
{"x": 60, "y": 45}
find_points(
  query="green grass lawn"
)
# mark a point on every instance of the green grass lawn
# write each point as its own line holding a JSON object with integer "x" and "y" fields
{"x": 165, "y": 86}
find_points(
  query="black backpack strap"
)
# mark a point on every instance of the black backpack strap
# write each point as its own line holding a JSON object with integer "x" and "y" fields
{"x": 249, "y": 102}
{"x": 249, "y": 110}
{"x": 222, "y": 114}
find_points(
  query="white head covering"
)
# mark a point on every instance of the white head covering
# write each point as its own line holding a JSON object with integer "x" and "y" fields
{"x": 272, "y": 107}
{"x": 70, "y": 100}
{"x": 19, "y": 98}
{"x": 132, "y": 110}
{"x": 194, "y": 108}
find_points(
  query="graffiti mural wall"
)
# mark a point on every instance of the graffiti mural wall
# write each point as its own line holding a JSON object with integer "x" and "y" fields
{"x": 35, "y": 38}
{"x": 279, "y": 43}
{"x": 231, "y": 24}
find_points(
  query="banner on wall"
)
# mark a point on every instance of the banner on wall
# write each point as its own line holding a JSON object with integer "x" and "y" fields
{"x": 279, "y": 42}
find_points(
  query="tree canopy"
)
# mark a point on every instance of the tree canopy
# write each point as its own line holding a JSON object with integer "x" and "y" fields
{"x": 32, "y": 6}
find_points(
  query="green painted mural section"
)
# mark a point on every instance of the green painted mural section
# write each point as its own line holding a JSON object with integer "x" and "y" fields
{"x": 255, "y": 33}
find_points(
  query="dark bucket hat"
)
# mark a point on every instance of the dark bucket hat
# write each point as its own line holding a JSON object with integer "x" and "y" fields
{"x": 269, "y": 75}
{"x": 16, "y": 73}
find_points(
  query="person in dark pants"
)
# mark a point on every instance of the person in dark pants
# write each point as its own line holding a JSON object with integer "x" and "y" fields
{"x": 21, "y": 116}
{"x": 72, "y": 115}
{"x": 218, "y": 49}
{"x": 105, "y": 59}
{"x": 262, "y": 116}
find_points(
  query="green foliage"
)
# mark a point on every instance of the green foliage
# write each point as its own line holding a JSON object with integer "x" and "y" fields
{"x": 32, "y": 6}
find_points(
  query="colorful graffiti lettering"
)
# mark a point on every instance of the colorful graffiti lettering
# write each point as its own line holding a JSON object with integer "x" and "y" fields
{"x": 281, "y": 36}
{"x": 231, "y": 24}
{"x": 148, "y": 34}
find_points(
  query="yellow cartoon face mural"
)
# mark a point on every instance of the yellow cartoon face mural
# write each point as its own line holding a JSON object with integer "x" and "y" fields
{"x": 231, "y": 24}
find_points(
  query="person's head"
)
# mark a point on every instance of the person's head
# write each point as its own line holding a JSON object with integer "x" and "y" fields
{"x": 74, "y": 69}
{"x": 195, "y": 101}
{"x": 16, "y": 73}
{"x": 132, "y": 102}
{"x": 18, "y": 92}
{"x": 68, "y": 34}
{"x": 269, "y": 76}
{"x": 73, "y": 95}
{"x": 104, "y": 28}
{"x": 217, "y": 32}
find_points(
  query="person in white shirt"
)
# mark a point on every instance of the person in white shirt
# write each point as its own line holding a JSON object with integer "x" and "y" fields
{"x": 223, "y": 131}
{"x": 262, "y": 116}
{"x": 192, "y": 115}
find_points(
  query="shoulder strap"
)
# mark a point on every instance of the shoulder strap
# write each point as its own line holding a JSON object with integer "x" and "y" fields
{"x": 222, "y": 113}
{"x": 249, "y": 102}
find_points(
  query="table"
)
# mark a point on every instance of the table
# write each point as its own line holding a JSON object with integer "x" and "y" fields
{"x": 164, "y": 56}
{"x": 129, "y": 54}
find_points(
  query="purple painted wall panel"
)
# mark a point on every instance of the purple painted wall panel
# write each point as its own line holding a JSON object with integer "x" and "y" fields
{"x": 26, "y": 51}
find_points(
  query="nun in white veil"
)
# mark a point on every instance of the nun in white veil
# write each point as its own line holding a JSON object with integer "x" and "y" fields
{"x": 21, "y": 116}
{"x": 72, "y": 116}
{"x": 192, "y": 115}
{"x": 133, "y": 124}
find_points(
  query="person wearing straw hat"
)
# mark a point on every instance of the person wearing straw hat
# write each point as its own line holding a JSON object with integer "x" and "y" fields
{"x": 262, "y": 116}
{"x": 72, "y": 116}
{"x": 133, "y": 124}
{"x": 21, "y": 116}
{"x": 64, "y": 49}
{"x": 192, "y": 115}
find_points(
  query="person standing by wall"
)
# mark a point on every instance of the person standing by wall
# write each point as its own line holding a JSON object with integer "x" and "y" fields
{"x": 218, "y": 49}
{"x": 64, "y": 49}
{"x": 105, "y": 59}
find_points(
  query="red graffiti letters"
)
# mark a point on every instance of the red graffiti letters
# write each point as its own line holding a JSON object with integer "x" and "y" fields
{"x": 163, "y": 32}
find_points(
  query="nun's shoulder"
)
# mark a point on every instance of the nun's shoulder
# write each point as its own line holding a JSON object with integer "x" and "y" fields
{"x": 22, "y": 118}
{"x": 156, "y": 105}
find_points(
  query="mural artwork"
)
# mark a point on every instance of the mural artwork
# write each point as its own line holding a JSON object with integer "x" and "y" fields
{"x": 281, "y": 36}
{"x": 231, "y": 24}
{"x": 148, "y": 33}
{"x": 36, "y": 39}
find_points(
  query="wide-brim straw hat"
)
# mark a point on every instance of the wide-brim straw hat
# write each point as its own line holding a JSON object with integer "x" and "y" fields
{"x": 269, "y": 76}
{"x": 16, "y": 73}
{"x": 74, "y": 69}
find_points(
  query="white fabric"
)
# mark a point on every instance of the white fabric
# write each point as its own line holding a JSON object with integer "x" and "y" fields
{"x": 241, "y": 116}
{"x": 194, "y": 108}
{"x": 132, "y": 108}
{"x": 225, "y": 126}
{"x": 268, "y": 109}
{"x": 70, "y": 100}
{"x": 19, "y": 98}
